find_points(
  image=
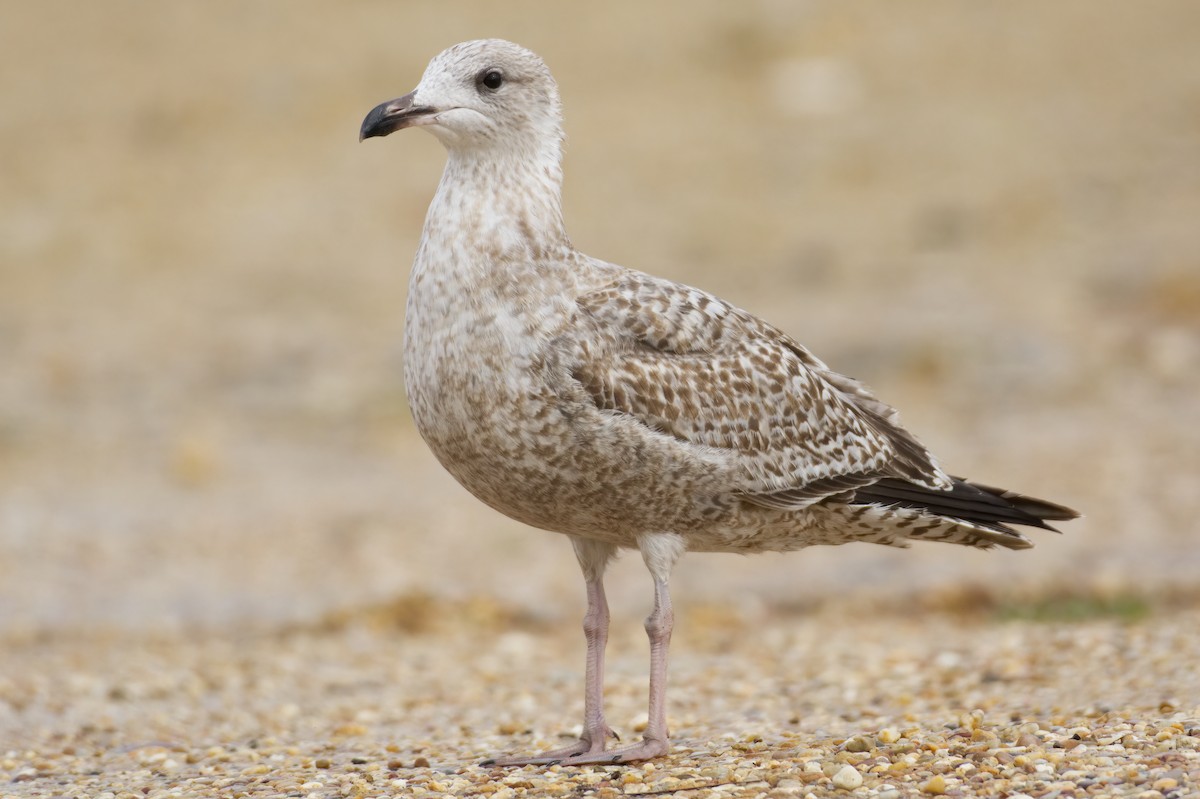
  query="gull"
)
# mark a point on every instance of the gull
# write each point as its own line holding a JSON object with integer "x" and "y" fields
{"x": 624, "y": 410}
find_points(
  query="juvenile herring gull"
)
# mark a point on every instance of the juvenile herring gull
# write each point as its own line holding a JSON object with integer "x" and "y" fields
{"x": 624, "y": 410}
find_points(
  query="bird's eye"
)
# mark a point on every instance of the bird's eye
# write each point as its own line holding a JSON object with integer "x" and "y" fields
{"x": 491, "y": 79}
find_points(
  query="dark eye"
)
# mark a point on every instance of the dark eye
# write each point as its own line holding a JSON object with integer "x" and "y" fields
{"x": 491, "y": 79}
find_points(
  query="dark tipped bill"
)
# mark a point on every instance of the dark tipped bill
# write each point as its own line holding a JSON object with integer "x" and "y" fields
{"x": 394, "y": 115}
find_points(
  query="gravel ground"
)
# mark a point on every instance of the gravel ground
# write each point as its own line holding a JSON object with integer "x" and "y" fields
{"x": 874, "y": 702}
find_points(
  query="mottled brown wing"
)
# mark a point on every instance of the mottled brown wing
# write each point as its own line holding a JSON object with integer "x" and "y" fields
{"x": 689, "y": 365}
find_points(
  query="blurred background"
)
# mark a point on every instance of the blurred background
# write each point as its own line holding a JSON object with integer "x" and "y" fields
{"x": 990, "y": 213}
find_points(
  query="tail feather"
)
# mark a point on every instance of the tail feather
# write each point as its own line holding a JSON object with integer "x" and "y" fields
{"x": 981, "y": 506}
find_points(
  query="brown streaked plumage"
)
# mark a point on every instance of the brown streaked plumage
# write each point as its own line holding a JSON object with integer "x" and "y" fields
{"x": 624, "y": 410}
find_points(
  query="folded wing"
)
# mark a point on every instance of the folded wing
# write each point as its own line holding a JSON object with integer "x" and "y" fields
{"x": 688, "y": 365}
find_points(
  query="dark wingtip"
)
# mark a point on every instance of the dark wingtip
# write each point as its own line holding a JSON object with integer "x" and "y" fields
{"x": 1038, "y": 508}
{"x": 976, "y": 503}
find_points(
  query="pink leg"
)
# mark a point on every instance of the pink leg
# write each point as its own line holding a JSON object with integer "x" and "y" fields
{"x": 596, "y": 731}
{"x": 660, "y": 553}
{"x": 593, "y": 558}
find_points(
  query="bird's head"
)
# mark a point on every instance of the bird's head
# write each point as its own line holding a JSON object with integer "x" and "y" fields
{"x": 478, "y": 95}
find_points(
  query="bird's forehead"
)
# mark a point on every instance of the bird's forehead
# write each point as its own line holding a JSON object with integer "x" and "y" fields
{"x": 467, "y": 58}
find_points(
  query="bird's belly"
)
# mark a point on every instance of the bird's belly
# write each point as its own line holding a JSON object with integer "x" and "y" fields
{"x": 516, "y": 440}
{"x": 494, "y": 435}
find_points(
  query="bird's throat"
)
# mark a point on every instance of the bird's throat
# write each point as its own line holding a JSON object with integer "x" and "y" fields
{"x": 512, "y": 208}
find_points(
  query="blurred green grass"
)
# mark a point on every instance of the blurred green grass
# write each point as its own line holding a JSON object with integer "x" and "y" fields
{"x": 1077, "y": 609}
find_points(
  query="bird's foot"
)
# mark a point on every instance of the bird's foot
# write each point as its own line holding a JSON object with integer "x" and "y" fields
{"x": 593, "y": 745}
{"x": 646, "y": 749}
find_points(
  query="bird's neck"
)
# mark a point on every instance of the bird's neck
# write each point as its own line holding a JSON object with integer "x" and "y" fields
{"x": 510, "y": 204}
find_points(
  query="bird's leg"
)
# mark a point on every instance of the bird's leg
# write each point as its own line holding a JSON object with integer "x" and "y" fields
{"x": 596, "y": 731}
{"x": 593, "y": 559}
{"x": 660, "y": 553}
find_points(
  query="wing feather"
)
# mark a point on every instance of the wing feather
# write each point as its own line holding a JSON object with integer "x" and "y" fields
{"x": 686, "y": 364}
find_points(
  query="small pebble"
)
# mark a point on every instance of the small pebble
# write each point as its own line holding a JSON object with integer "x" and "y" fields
{"x": 848, "y": 778}
{"x": 935, "y": 786}
{"x": 858, "y": 743}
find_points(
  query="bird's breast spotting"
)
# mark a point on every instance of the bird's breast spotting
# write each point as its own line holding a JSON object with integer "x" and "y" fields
{"x": 478, "y": 370}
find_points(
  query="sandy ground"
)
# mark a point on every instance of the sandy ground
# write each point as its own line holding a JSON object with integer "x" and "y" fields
{"x": 987, "y": 213}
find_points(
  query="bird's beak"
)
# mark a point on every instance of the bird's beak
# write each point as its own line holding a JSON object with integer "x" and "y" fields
{"x": 395, "y": 115}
